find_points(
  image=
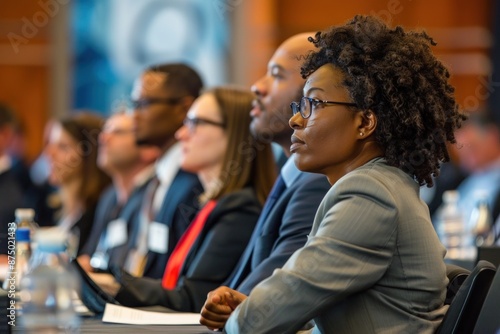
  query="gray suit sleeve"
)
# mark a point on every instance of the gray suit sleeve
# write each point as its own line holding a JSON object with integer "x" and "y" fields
{"x": 349, "y": 249}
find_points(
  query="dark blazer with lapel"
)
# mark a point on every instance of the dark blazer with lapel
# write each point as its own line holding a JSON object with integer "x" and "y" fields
{"x": 108, "y": 211}
{"x": 83, "y": 227}
{"x": 106, "y": 204}
{"x": 210, "y": 261}
{"x": 179, "y": 207}
{"x": 284, "y": 231}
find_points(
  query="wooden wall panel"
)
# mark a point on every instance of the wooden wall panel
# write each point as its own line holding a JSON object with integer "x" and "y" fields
{"x": 253, "y": 40}
{"x": 24, "y": 88}
{"x": 24, "y": 66}
{"x": 461, "y": 28}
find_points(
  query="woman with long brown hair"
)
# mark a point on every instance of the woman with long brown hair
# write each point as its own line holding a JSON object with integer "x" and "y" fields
{"x": 72, "y": 153}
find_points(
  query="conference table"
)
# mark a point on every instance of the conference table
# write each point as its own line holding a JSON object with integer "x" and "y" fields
{"x": 95, "y": 325}
{"x": 91, "y": 323}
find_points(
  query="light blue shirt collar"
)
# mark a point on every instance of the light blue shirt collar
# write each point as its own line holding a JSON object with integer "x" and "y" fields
{"x": 289, "y": 172}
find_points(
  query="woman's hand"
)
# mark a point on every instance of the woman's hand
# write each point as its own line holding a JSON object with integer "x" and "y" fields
{"x": 218, "y": 307}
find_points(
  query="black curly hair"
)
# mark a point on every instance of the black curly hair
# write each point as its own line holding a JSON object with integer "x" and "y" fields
{"x": 394, "y": 74}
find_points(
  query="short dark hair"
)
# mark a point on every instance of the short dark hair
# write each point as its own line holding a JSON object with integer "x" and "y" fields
{"x": 181, "y": 78}
{"x": 482, "y": 118}
{"x": 394, "y": 74}
{"x": 7, "y": 116}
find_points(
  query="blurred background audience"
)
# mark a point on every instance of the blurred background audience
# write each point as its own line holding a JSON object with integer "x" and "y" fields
{"x": 12, "y": 190}
{"x": 116, "y": 221}
{"x": 72, "y": 155}
{"x": 479, "y": 155}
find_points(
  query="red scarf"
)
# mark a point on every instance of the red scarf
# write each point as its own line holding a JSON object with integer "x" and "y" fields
{"x": 176, "y": 260}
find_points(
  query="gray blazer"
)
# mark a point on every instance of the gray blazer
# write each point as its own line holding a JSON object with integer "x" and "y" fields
{"x": 372, "y": 264}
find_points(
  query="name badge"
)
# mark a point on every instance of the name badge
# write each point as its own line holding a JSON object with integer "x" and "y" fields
{"x": 116, "y": 234}
{"x": 158, "y": 237}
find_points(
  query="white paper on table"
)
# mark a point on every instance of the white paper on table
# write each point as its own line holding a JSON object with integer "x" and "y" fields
{"x": 126, "y": 315}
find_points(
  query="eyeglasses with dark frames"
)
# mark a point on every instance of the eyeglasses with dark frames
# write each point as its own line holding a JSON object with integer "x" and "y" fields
{"x": 307, "y": 104}
{"x": 144, "y": 103}
{"x": 192, "y": 122}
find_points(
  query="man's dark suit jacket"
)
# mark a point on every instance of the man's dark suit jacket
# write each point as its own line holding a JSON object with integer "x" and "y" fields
{"x": 284, "y": 231}
{"x": 179, "y": 207}
{"x": 107, "y": 211}
{"x": 210, "y": 261}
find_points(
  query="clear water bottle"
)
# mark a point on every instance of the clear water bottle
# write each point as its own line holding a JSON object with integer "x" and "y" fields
{"x": 25, "y": 218}
{"x": 22, "y": 259}
{"x": 23, "y": 253}
{"x": 452, "y": 229}
{"x": 481, "y": 222}
{"x": 47, "y": 290}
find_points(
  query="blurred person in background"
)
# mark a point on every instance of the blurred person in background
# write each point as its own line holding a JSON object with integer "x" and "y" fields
{"x": 116, "y": 221}
{"x": 450, "y": 176}
{"x": 72, "y": 154}
{"x": 12, "y": 189}
{"x": 17, "y": 151}
{"x": 46, "y": 200}
{"x": 478, "y": 148}
{"x": 237, "y": 173}
{"x": 37, "y": 192}
{"x": 161, "y": 97}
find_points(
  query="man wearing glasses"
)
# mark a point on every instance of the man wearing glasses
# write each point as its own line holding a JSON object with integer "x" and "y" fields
{"x": 161, "y": 98}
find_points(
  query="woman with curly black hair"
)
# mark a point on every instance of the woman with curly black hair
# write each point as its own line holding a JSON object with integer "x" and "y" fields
{"x": 376, "y": 115}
